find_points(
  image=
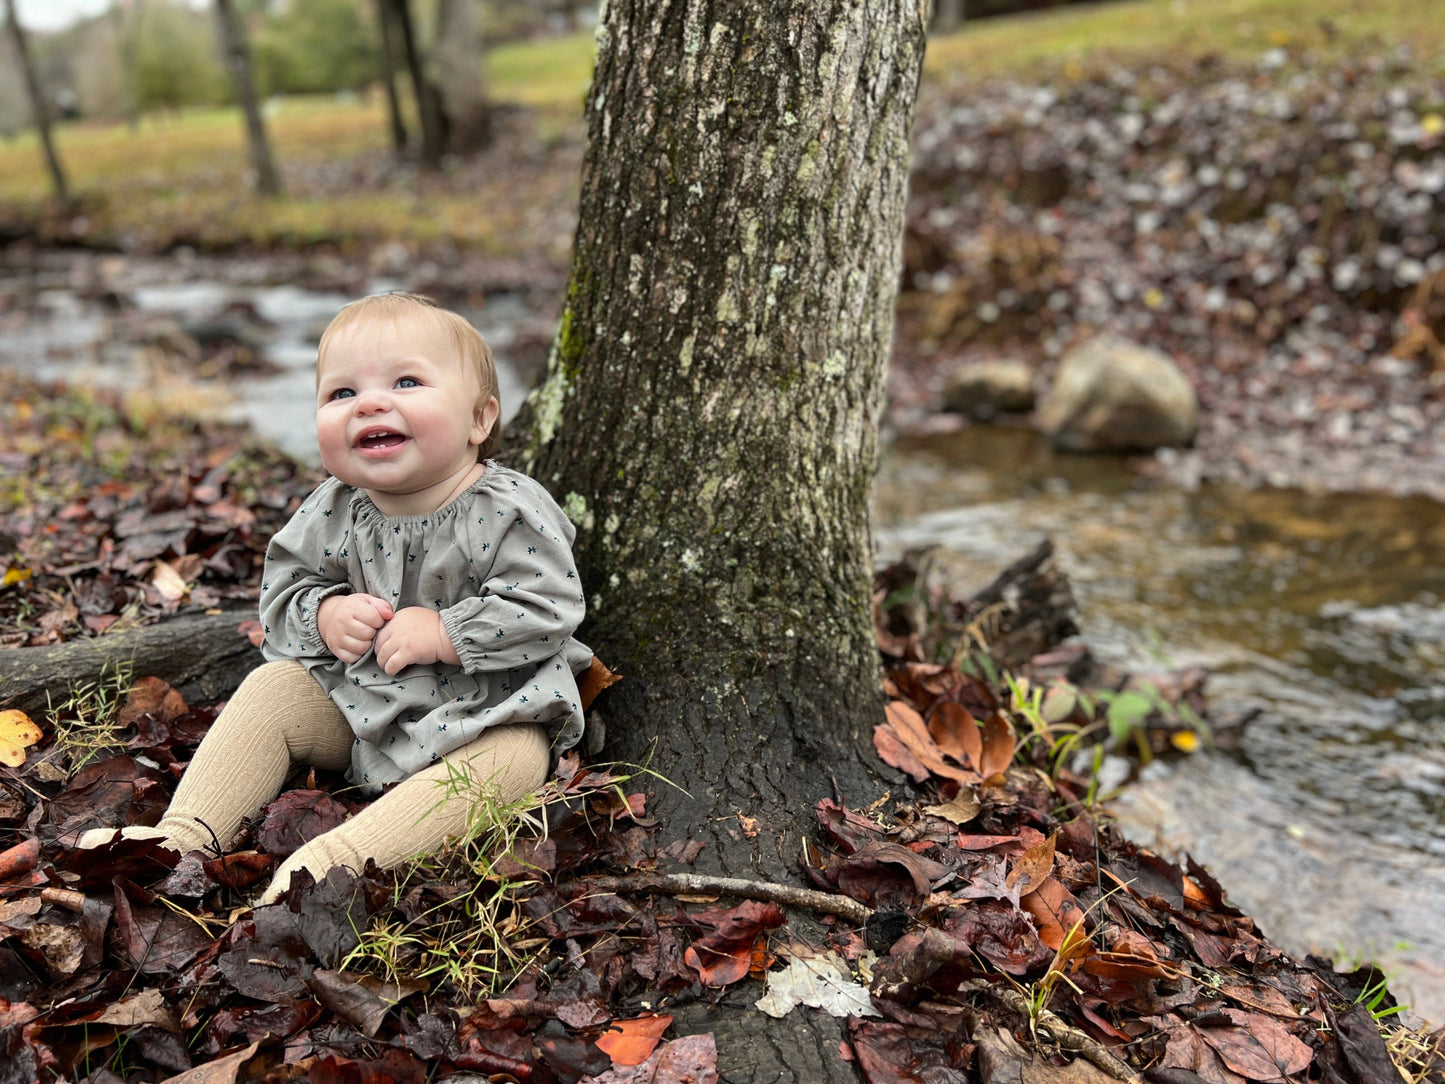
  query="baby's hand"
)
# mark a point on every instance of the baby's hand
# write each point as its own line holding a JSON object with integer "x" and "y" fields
{"x": 348, "y": 623}
{"x": 414, "y": 635}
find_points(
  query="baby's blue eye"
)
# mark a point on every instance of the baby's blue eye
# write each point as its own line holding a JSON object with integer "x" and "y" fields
{"x": 343, "y": 393}
{"x": 408, "y": 382}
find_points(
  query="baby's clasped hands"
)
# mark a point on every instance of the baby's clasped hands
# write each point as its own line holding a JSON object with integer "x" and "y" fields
{"x": 351, "y": 624}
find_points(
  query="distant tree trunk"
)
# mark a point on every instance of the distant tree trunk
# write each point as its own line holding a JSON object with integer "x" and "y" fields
{"x": 461, "y": 91}
{"x": 238, "y": 60}
{"x": 426, "y": 99}
{"x": 38, "y": 105}
{"x": 948, "y": 15}
{"x": 127, "y": 20}
{"x": 388, "y": 72}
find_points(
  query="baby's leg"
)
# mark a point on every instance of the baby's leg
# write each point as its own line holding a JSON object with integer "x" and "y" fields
{"x": 278, "y": 715}
{"x": 418, "y": 816}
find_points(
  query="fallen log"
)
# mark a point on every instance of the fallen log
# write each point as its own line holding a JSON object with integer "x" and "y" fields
{"x": 205, "y": 656}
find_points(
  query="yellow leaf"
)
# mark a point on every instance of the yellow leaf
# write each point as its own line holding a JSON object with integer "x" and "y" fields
{"x": 1186, "y": 741}
{"x": 13, "y": 575}
{"x": 17, "y": 733}
{"x": 1154, "y": 297}
{"x": 1432, "y": 124}
{"x": 1279, "y": 37}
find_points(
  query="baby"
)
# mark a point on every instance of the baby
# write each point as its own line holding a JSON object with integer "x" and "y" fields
{"x": 418, "y": 610}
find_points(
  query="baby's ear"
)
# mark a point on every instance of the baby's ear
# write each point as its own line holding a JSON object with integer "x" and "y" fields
{"x": 484, "y": 419}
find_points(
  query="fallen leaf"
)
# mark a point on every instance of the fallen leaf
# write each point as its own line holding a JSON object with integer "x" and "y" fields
{"x": 907, "y": 725}
{"x": 146, "y": 1008}
{"x": 597, "y": 678}
{"x": 691, "y": 1059}
{"x": 998, "y": 748}
{"x": 631, "y": 1042}
{"x": 18, "y": 732}
{"x": 955, "y": 730}
{"x": 221, "y": 1071}
{"x": 1054, "y": 910}
{"x": 168, "y": 582}
{"x": 821, "y": 982}
{"x": 1031, "y": 868}
{"x": 959, "y": 810}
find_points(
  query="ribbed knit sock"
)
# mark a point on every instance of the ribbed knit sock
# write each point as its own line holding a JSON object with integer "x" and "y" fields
{"x": 278, "y": 716}
{"x": 421, "y": 813}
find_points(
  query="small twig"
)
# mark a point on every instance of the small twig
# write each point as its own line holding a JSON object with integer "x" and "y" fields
{"x": 1066, "y": 1035}
{"x": 811, "y": 899}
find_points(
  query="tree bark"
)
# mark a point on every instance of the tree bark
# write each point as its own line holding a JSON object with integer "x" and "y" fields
{"x": 385, "y": 20}
{"x": 461, "y": 92}
{"x": 39, "y": 108}
{"x": 709, "y": 415}
{"x": 426, "y": 100}
{"x": 238, "y": 61}
{"x": 204, "y": 656}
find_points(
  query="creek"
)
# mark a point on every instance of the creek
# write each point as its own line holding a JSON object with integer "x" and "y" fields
{"x": 1324, "y": 615}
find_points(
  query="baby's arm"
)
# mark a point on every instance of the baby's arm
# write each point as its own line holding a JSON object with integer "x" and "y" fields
{"x": 531, "y": 596}
{"x": 306, "y": 567}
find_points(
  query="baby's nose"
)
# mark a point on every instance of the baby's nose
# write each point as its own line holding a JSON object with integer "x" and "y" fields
{"x": 372, "y": 401}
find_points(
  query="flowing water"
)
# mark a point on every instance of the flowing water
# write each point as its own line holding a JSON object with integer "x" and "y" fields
{"x": 1326, "y": 614}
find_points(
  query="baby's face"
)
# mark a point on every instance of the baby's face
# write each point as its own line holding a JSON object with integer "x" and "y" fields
{"x": 395, "y": 411}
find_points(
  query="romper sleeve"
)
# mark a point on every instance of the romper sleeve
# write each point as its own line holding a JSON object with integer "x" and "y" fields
{"x": 530, "y": 601}
{"x": 306, "y": 562}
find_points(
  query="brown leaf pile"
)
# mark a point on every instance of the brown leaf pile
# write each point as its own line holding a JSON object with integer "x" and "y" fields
{"x": 111, "y": 518}
{"x": 1012, "y": 937}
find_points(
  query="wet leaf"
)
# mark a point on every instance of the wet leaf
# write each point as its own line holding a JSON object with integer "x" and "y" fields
{"x": 725, "y": 955}
{"x": 631, "y": 1042}
{"x": 296, "y": 818}
{"x": 223, "y": 1070}
{"x": 1030, "y": 869}
{"x": 1259, "y": 1047}
{"x": 1055, "y": 912}
{"x": 693, "y": 1058}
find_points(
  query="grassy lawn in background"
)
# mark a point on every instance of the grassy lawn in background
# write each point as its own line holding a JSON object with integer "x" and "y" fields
{"x": 1083, "y": 35}
{"x": 181, "y": 178}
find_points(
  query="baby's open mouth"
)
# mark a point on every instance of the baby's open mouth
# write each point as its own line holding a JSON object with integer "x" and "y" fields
{"x": 380, "y": 440}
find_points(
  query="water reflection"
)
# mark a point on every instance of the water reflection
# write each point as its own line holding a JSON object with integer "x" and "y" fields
{"x": 1322, "y": 611}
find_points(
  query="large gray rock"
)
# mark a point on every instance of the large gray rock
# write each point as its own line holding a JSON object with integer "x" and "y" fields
{"x": 986, "y": 388}
{"x": 1112, "y": 395}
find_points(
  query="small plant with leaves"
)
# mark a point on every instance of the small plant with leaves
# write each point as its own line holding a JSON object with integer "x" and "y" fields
{"x": 85, "y": 722}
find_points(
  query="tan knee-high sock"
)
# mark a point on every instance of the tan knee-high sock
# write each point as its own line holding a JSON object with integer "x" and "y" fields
{"x": 418, "y": 816}
{"x": 278, "y": 715}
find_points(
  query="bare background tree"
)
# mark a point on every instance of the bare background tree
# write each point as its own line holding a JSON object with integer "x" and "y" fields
{"x": 238, "y": 62}
{"x": 40, "y": 108}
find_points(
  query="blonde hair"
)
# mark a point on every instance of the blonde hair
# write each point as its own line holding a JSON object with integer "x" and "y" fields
{"x": 472, "y": 349}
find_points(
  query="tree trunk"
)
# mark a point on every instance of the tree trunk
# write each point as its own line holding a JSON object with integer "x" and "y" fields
{"x": 461, "y": 91}
{"x": 385, "y": 19}
{"x": 204, "y": 656}
{"x": 709, "y": 416}
{"x": 238, "y": 60}
{"x": 38, "y": 106}
{"x": 948, "y": 15}
{"x": 426, "y": 99}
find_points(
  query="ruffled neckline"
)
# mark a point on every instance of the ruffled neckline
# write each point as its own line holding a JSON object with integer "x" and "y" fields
{"x": 364, "y": 507}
